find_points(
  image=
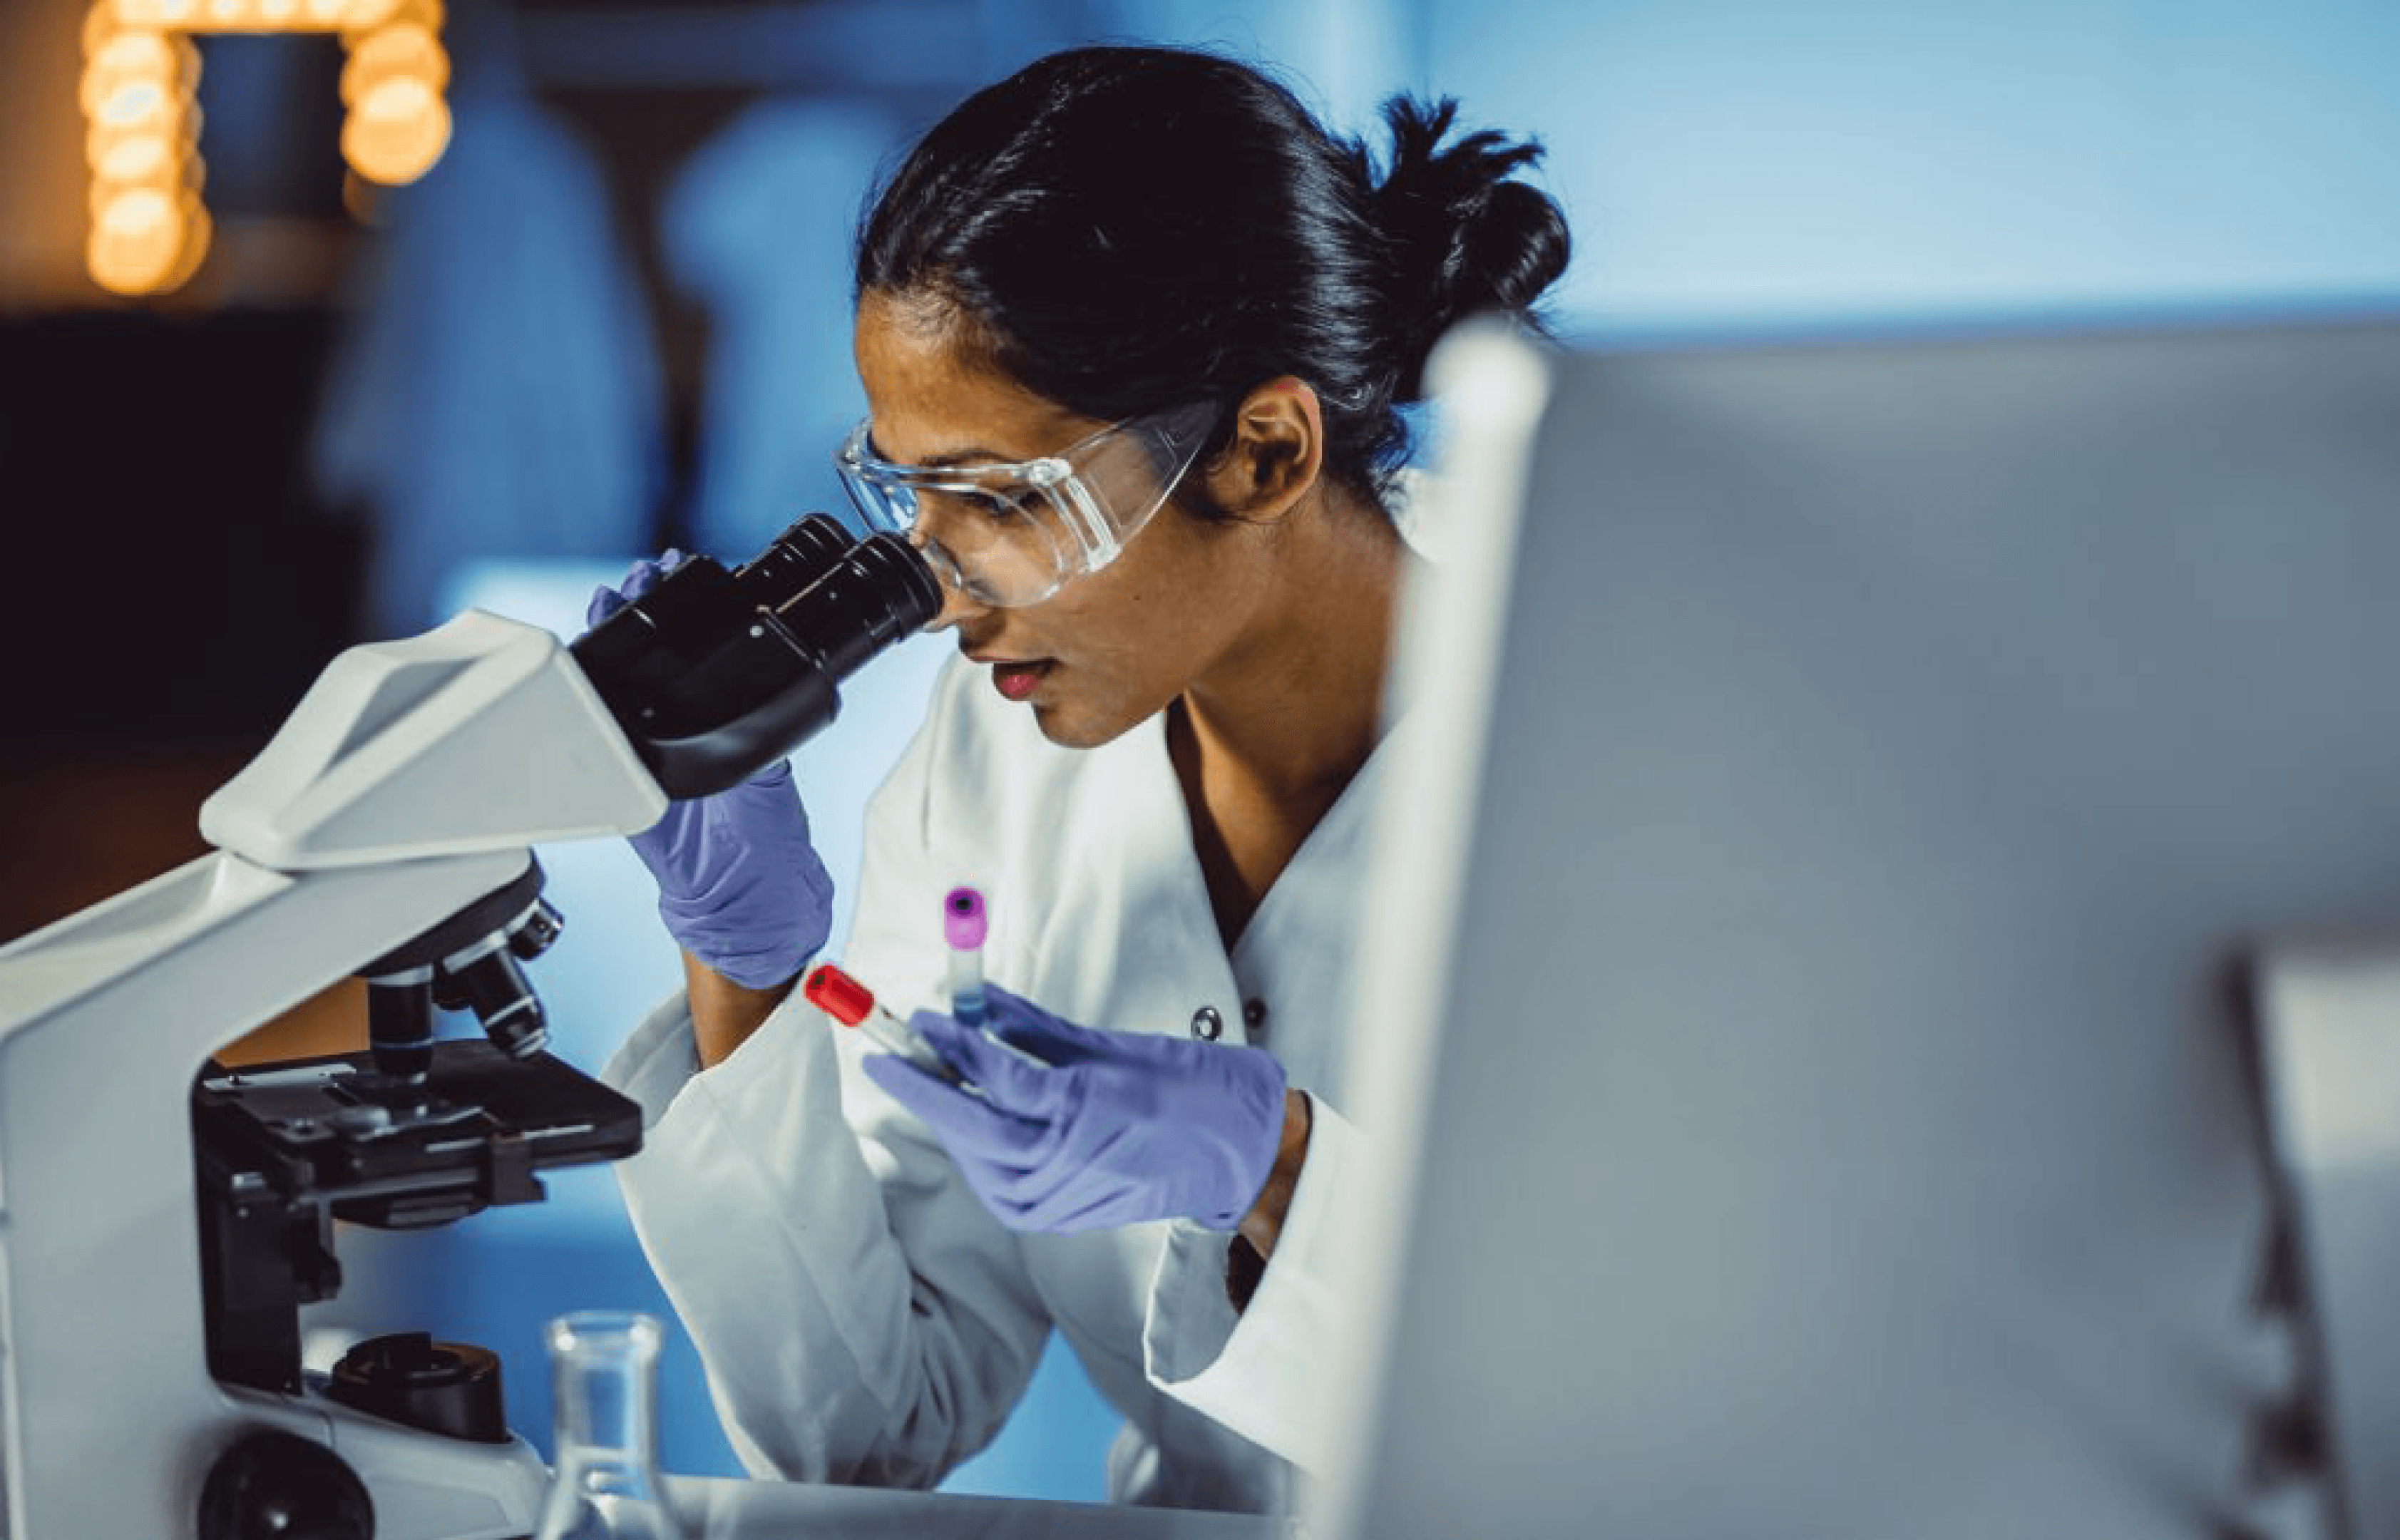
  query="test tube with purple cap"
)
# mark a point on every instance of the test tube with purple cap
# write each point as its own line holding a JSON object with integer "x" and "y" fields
{"x": 963, "y": 927}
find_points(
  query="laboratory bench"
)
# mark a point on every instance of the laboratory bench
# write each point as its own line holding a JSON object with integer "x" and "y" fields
{"x": 725, "y": 1508}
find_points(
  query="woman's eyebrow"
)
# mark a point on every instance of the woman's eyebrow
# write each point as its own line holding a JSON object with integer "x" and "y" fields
{"x": 948, "y": 460}
{"x": 977, "y": 456}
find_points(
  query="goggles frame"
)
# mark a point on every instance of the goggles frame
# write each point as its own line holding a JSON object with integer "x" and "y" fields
{"x": 1080, "y": 529}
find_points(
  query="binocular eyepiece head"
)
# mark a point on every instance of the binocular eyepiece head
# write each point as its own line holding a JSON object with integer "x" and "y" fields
{"x": 713, "y": 674}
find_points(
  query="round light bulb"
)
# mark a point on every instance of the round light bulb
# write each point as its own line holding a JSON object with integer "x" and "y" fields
{"x": 402, "y": 49}
{"x": 131, "y": 53}
{"x": 114, "y": 85}
{"x": 99, "y": 89}
{"x": 136, "y": 104}
{"x": 423, "y": 13}
{"x": 139, "y": 157}
{"x": 103, "y": 142}
{"x": 135, "y": 240}
{"x": 396, "y": 132}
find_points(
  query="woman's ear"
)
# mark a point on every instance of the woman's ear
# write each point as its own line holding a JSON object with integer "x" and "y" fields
{"x": 1276, "y": 452}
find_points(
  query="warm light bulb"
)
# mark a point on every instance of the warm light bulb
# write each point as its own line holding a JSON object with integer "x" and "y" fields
{"x": 135, "y": 240}
{"x": 361, "y": 15}
{"x": 396, "y": 131}
{"x": 228, "y": 13}
{"x": 136, "y": 104}
{"x": 104, "y": 93}
{"x": 138, "y": 210}
{"x": 101, "y": 141}
{"x": 108, "y": 81}
{"x": 149, "y": 158}
{"x": 402, "y": 49}
{"x": 423, "y": 13}
{"x": 131, "y": 53}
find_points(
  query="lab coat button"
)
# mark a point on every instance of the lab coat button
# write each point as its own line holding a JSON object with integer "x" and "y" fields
{"x": 1254, "y": 1014}
{"x": 1207, "y": 1025}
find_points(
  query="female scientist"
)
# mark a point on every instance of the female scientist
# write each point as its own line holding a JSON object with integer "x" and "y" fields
{"x": 1132, "y": 328}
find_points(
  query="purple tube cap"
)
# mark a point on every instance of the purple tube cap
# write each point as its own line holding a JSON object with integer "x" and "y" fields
{"x": 963, "y": 922}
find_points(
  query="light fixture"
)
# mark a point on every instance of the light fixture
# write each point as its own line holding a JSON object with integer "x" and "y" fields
{"x": 149, "y": 226}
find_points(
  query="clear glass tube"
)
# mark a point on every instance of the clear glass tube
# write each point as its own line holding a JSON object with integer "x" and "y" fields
{"x": 604, "y": 1484}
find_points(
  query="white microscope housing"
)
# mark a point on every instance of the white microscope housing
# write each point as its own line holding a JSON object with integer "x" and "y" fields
{"x": 161, "y": 1217}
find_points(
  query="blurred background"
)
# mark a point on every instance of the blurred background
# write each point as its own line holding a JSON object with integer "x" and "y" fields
{"x": 320, "y": 319}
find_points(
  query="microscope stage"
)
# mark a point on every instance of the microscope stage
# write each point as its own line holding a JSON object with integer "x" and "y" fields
{"x": 336, "y": 1132}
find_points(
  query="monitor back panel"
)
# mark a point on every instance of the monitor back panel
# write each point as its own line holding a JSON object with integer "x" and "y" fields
{"x": 1840, "y": 1123}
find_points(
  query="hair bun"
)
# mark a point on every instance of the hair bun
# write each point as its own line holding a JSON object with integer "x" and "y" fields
{"x": 1464, "y": 235}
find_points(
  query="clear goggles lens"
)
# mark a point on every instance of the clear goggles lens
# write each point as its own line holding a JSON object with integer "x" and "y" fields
{"x": 1011, "y": 534}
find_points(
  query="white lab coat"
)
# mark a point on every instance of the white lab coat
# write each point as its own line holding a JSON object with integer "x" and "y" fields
{"x": 861, "y": 1316}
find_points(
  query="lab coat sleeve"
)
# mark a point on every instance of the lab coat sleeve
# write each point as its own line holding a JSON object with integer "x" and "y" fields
{"x": 862, "y": 1319}
{"x": 1262, "y": 1371}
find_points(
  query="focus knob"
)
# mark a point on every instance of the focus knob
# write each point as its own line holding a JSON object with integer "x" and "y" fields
{"x": 271, "y": 1485}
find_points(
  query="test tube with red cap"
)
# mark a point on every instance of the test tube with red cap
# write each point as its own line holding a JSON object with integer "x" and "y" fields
{"x": 854, "y": 1004}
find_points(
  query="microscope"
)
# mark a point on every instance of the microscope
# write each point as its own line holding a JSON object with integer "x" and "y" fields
{"x": 164, "y": 1216}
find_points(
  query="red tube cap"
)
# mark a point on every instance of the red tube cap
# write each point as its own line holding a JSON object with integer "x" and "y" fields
{"x": 839, "y": 995}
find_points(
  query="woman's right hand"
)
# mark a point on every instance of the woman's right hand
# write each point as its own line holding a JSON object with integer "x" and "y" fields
{"x": 741, "y": 887}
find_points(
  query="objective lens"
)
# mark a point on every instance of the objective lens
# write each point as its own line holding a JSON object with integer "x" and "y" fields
{"x": 534, "y": 933}
{"x": 400, "y": 1023}
{"x": 496, "y": 989}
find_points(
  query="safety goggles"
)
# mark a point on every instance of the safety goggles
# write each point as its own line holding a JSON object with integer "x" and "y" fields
{"x": 1012, "y": 535}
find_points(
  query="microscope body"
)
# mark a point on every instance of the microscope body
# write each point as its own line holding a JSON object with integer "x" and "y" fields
{"x": 161, "y": 1217}
{"x": 410, "y": 783}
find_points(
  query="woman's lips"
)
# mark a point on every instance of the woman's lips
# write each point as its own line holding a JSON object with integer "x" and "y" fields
{"x": 1017, "y": 680}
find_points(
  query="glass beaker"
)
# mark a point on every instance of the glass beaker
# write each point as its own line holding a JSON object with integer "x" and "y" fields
{"x": 604, "y": 1484}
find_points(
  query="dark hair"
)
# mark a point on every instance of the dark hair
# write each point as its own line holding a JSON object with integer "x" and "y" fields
{"x": 1127, "y": 229}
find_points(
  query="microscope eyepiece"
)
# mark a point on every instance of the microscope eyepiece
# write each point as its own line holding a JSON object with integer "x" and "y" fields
{"x": 792, "y": 561}
{"x": 878, "y": 593}
{"x": 713, "y": 675}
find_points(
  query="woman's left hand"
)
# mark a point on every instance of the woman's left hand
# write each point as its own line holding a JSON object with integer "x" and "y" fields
{"x": 1106, "y": 1129}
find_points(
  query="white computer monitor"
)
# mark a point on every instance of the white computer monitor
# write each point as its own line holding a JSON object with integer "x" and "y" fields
{"x": 1810, "y": 993}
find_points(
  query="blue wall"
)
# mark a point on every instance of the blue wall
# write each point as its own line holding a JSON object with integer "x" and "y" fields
{"x": 1745, "y": 160}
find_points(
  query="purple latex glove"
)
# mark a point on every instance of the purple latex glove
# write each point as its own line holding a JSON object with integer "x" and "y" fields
{"x": 1111, "y": 1128}
{"x": 740, "y": 886}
